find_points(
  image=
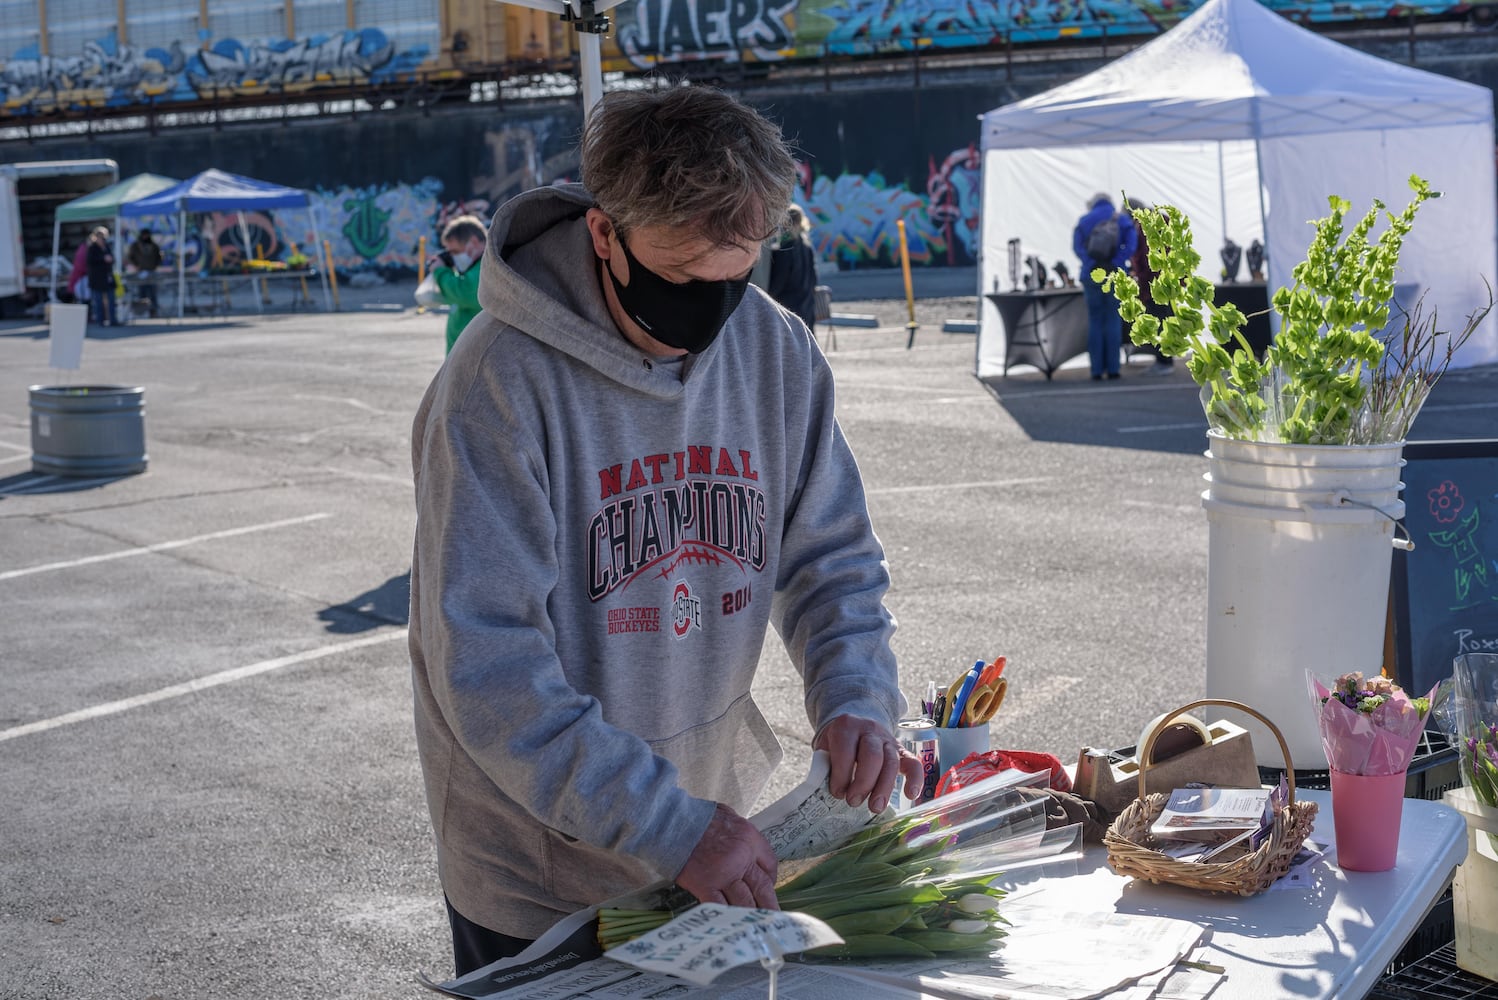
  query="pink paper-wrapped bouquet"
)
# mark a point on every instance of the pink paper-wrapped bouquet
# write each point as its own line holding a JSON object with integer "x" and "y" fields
{"x": 1369, "y": 726}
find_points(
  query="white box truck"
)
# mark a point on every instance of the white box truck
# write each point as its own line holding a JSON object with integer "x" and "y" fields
{"x": 29, "y": 196}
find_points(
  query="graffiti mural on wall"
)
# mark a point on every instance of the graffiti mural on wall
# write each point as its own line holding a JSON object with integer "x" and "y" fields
{"x": 863, "y": 26}
{"x": 954, "y": 190}
{"x": 667, "y": 31}
{"x": 854, "y": 215}
{"x": 378, "y": 227}
{"x": 110, "y": 75}
{"x": 680, "y": 30}
{"x": 374, "y": 228}
{"x": 853, "y": 222}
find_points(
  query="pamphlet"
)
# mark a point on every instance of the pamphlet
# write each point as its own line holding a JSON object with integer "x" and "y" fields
{"x": 711, "y": 938}
{"x": 1206, "y": 813}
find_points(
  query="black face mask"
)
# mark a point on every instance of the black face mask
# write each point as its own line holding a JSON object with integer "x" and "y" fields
{"x": 686, "y": 316}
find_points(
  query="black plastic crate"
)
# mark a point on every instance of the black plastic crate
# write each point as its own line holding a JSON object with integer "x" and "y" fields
{"x": 1437, "y": 930}
{"x": 1434, "y": 977}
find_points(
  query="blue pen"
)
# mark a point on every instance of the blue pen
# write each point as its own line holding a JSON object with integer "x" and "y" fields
{"x": 960, "y": 702}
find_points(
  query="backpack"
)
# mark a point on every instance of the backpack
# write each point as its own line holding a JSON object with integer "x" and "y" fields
{"x": 1102, "y": 242}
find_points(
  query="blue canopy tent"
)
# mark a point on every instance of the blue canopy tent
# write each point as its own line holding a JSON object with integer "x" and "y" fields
{"x": 219, "y": 191}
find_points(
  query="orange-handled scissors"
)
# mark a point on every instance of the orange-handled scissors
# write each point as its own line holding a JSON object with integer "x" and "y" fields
{"x": 984, "y": 702}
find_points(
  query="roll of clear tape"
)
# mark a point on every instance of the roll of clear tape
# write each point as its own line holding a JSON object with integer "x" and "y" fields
{"x": 1185, "y": 732}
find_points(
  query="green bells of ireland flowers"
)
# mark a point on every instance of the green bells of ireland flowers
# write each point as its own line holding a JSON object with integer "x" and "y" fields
{"x": 1328, "y": 377}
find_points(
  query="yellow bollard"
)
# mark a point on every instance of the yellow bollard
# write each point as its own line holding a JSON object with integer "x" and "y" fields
{"x": 306, "y": 299}
{"x": 421, "y": 268}
{"x": 327, "y": 250}
{"x": 909, "y": 293}
{"x": 264, "y": 288}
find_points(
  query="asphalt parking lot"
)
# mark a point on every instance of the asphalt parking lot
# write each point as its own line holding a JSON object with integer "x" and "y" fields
{"x": 206, "y": 757}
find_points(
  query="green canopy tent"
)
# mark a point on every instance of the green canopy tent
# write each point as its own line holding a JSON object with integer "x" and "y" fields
{"x": 104, "y": 204}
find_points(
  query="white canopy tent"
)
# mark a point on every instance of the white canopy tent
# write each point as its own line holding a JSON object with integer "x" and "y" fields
{"x": 1247, "y": 123}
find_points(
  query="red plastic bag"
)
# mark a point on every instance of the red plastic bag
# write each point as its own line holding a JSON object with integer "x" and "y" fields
{"x": 977, "y": 766}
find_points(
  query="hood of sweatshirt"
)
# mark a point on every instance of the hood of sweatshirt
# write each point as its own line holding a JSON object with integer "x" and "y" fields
{"x": 559, "y": 300}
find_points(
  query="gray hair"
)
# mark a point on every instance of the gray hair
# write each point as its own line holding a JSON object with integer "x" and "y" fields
{"x": 1098, "y": 199}
{"x": 687, "y": 157}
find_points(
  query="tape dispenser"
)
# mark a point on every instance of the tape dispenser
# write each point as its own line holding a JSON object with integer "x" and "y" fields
{"x": 1186, "y": 750}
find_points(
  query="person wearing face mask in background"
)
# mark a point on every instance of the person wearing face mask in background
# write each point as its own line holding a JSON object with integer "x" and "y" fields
{"x": 629, "y": 470}
{"x": 456, "y": 272}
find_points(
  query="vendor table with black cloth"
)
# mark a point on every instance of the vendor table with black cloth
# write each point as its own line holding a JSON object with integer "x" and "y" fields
{"x": 1047, "y": 328}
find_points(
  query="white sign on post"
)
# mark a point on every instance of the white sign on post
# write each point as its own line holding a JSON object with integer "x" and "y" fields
{"x": 66, "y": 335}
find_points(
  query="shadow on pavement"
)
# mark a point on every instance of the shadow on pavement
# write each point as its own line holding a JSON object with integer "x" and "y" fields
{"x": 1136, "y": 411}
{"x": 25, "y": 484}
{"x": 387, "y": 604}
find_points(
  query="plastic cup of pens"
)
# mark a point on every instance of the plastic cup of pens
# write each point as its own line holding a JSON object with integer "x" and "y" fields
{"x": 953, "y": 745}
{"x": 962, "y": 712}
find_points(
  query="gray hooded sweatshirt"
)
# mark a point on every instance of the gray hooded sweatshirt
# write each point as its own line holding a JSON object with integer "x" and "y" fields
{"x": 602, "y": 540}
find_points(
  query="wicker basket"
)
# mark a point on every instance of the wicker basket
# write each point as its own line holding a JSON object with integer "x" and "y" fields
{"x": 1131, "y": 847}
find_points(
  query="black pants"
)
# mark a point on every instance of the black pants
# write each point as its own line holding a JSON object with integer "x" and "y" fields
{"x": 475, "y": 947}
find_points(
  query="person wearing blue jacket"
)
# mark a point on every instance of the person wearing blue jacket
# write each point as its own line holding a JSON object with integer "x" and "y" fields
{"x": 1103, "y": 238}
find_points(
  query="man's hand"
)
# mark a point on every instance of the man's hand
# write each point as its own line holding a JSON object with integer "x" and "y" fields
{"x": 732, "y": 864}
{"x": 865, "y": 758}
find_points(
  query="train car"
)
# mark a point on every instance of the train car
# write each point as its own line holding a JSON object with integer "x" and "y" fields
{"x": 98, "y": 57}
{"x": 116, "y": 56}
{"x": 651, "y": 33}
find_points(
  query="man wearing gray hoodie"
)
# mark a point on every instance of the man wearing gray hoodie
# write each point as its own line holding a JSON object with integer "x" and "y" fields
{"x": 628, "y": 470}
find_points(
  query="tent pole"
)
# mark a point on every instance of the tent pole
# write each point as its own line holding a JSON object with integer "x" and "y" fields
{"x": 1274, "y": 325}
{"x": 244, "y": 235}
{"x": 52, "y": 265}
{"x": 1222, "y": 192}
{"x": 327, "y": 302}
{"x": 590, "y": 56}
{"x": 181, "y": 259}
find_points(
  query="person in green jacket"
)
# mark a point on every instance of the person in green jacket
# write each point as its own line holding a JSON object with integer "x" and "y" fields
{"x": 456, "y": 272}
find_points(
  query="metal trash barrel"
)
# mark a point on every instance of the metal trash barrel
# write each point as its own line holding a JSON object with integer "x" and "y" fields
{"x": 93, "y": 431}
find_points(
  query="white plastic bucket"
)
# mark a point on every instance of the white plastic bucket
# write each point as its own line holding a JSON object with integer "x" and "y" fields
{"x": 1308, "y": 456}
{"x": 1269, "y": 496}
{"x": 1474, "y": 891}
{"x": 1295, "y": 477}
{"x": 1297, "y": 579}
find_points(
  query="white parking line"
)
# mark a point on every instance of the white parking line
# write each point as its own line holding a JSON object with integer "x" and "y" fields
{"x": 956, "y": 486}
{"x": 200, "y": 684}
{"x": 1195, "y": 425}
{"x": 1179, "y": 508}
{"x": 1458, "y": 406}
{"x": 160, "y": 546}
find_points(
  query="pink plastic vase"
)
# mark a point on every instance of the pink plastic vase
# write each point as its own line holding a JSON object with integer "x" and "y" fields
{"x": 1366, "y": 809}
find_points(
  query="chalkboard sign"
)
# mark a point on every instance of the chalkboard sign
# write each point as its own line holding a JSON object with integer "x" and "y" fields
{"x": 1446, "y": 589}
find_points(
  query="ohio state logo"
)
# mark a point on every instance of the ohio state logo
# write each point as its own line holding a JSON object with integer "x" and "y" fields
{"x": 686, "y": 611}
